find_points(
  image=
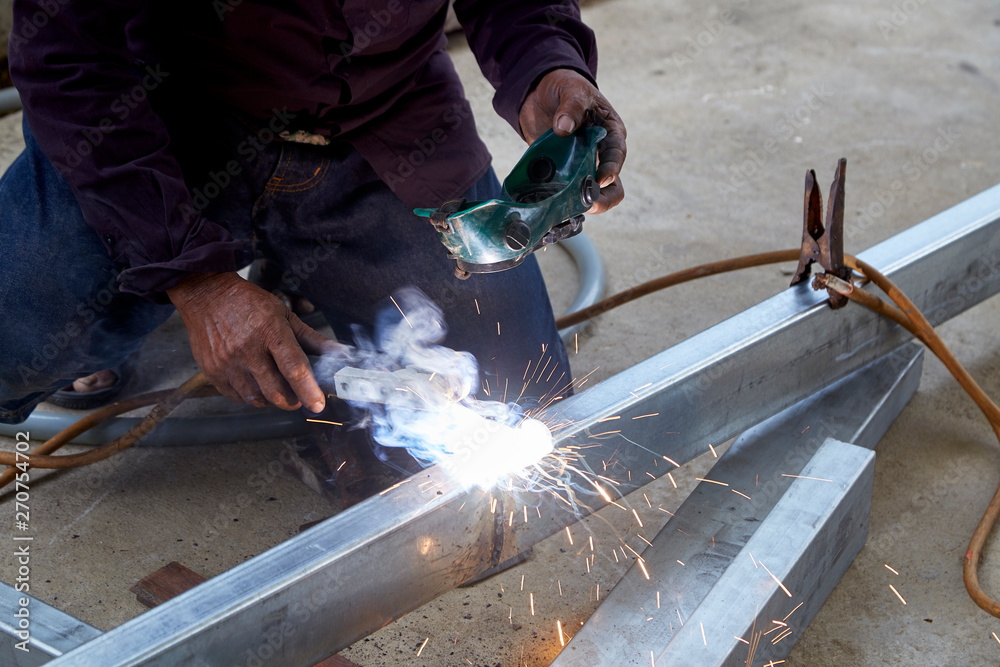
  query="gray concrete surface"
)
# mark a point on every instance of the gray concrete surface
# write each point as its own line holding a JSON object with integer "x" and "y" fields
{"x": 724, "y": 118}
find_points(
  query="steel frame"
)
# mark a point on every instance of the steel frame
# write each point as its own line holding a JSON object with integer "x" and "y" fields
{"x": 402, "y": 548}
{"x": 715, "y": 533}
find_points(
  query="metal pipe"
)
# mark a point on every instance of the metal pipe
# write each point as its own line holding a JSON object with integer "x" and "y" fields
{"x": 10, "y": 100}
{"x": 590, "y": 269}
{"x": 176, "y": 432}
{"x": 335, "y": 583}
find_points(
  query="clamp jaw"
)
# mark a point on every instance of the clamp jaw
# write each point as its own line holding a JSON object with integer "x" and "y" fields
{"x": 824, "y": 245}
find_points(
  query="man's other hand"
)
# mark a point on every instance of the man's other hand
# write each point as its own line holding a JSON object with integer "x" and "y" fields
{"x": 248, "y": 343}
{"x": 560, "y": 102}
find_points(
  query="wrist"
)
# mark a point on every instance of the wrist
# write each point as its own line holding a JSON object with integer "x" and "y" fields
{"x": 196, "y": 285}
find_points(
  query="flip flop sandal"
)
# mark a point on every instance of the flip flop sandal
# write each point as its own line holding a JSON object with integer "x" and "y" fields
{"x": 75, "y": 400}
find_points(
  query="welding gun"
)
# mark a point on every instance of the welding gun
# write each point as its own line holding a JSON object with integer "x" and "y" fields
{"x": 410, "y": 387}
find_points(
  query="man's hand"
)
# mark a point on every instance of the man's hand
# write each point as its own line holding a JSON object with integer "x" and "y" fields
{"x": 560, "y": 102}
{"x": 248, "y": 343}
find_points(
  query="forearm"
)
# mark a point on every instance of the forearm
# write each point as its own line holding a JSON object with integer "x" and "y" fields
{"x": 516, "y": 42}
{"x": 87, "y": 104}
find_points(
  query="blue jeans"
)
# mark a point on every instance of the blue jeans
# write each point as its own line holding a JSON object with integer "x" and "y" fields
{"x": 341, "y": 236}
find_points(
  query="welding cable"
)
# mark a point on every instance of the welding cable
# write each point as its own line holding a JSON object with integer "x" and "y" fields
{"x": 166, "y": 401}
{"x": 923, "y": 330}
{"x": 663, "y": 282}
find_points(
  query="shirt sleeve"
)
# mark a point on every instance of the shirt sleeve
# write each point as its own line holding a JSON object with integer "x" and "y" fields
{"x": 516, "y": 42}
{"x": 86, "y": 101}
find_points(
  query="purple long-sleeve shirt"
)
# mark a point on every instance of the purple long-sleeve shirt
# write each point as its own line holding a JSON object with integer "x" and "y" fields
{"x": 373, "y": 73}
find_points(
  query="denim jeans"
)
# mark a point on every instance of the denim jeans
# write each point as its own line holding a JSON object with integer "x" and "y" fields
{"x": 341, "y": 236}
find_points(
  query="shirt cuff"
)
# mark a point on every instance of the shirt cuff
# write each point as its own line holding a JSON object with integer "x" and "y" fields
{"x": 532, "y": 66}
{"x": 151, "y": 281}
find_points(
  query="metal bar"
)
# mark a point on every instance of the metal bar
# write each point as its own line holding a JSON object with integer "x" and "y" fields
{"x": 47, "y": 633}
{"x": 395, "y": 552}
{"x": 713, "y": 524}
{"x": 807, "y": 542}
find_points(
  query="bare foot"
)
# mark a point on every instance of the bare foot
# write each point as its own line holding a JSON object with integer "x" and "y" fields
{"x": 95, "y": 381}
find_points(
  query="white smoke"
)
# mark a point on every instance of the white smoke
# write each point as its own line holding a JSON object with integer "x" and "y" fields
{"x": 428, "y": 406}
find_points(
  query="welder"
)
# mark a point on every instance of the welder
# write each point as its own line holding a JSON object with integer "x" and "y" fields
{"x": 169, "y": 144}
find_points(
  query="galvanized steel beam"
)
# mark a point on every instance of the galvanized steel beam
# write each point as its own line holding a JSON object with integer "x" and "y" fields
{"x": 752, "y": 614}
{"x": 47, "y": 633}
{"x": 714, "y": 525}
{"x": 322, "y": 590}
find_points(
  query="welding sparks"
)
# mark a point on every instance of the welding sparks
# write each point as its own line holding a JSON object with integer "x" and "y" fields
{"x": 897, "y": 593}
{"x": 531, "y": 598}
{"x": 421, "y": 650}
{"x": 793, "y": 611}
{"x": 642, "y": 566}
{"x": 890, "y": 569}
{"x": 778, "y": 581}
{"x": 405, "y": 318}
{"x": 818, "y": 479}
{"x": 562, "y": 640}
{"x": 323, "y": 421}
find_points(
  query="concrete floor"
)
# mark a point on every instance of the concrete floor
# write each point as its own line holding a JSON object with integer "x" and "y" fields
{"x": 872, "y": 82}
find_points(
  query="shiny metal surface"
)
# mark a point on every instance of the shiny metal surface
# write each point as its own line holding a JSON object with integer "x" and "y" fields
{"x": 321, "y": 590}
{"x": 50, "y": 632}
{"x": 807, "y": 543}
{"x": 714, "y": 525}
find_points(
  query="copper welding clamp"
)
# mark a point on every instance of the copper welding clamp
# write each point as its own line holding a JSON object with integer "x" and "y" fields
{"x": 824, "y": 245}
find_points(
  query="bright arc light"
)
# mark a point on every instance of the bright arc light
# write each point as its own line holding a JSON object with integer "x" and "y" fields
{"x": 485, "y": 451}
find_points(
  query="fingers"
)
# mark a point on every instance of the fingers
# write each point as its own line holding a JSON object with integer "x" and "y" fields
{"x": 612, "y": 150}
{"x": 312, "y": 341}
{"x": 294, "y": 368}
{"x": 572, "y": 109}
{"x": 611, "y": 196}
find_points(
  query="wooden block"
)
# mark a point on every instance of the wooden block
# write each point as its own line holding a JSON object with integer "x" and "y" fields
{"x": 169, "y": 581}
{"x": 337, "y": 661}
